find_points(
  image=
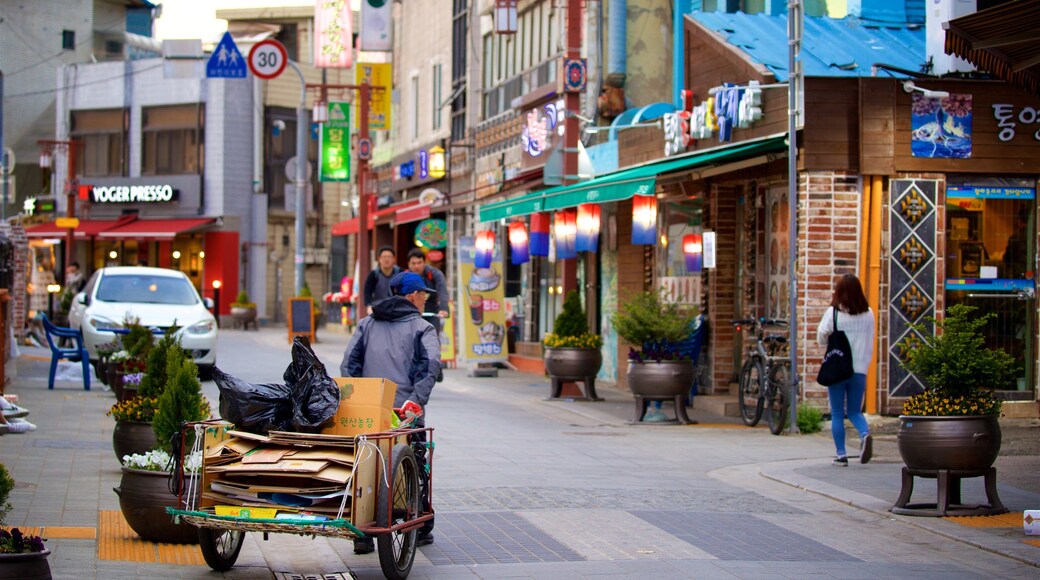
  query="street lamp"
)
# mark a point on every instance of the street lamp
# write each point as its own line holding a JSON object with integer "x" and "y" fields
{"x": 52, "y": 289}
{"x": 47, "y": 150}
{"x": 216, "y": 301}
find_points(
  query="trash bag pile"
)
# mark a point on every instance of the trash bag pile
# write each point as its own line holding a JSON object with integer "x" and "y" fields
{"x": 308, "y": 398}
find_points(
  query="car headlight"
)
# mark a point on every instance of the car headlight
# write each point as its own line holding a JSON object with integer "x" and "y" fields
{"x": 204, "y": 327}
{"x": 102, "y": 322}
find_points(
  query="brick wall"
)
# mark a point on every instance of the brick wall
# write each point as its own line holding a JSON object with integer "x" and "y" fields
{"x": 19, "y": 299}
{"x": 637, "y": 146}
{"x": 722, "y": 212}
{"x": 631, "y": 265}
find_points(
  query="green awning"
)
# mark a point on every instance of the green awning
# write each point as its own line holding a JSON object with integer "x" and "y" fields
{"x": 622, "y": 184}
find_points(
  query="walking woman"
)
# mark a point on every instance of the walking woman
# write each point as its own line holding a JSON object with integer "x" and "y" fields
{"x": 856, "y": 319}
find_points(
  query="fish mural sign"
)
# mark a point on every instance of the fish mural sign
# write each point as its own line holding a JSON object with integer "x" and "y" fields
{"x": 941, "y": 127}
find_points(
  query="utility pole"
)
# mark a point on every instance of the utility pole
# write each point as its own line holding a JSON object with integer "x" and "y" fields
{"x": 363, "y": 196}
{"x": 572, "y": 104}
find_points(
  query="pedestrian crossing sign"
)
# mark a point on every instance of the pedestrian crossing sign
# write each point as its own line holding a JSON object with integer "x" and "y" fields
{"x": 226, "y": 62}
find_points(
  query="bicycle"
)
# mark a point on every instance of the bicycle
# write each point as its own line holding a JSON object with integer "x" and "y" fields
{"x": 765, "y": 376}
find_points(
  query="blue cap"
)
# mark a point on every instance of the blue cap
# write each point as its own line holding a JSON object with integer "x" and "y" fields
{"x": 405, "y": 283}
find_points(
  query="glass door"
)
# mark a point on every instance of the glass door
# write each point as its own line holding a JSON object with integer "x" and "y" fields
{"x": 991, "y": 263}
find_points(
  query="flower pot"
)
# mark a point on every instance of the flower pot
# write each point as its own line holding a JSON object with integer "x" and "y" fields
{"x": 960, "y": 442}
{"x": 572, "y": 363}
{"x": 668, "y": 378}
{"x": 31, "y": 566}
{"x": 243, "y": 316}
{"x": 115, "y": 380}
{"x": 130, "y": 437}
{"x": 143, "y": 499}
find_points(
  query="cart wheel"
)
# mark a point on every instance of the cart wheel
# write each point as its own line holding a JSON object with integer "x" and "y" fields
{"x": 397, "y": 549}
{"x": 220, "y": 548}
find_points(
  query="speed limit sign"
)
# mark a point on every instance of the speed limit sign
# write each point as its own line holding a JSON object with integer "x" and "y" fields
{"x": 267, "y": 59}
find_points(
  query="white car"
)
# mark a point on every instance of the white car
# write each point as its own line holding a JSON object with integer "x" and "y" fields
{"x": 159, "y": 298}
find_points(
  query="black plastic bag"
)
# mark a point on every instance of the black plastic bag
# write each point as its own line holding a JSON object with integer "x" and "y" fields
{"x": 255, "y": 408}
{"x": 315, "y": 396}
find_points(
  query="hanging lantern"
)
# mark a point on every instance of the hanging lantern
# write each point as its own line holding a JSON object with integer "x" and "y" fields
{"x": 588, "y": 228}
{"x": 485, "y": 245}
{"x": 437, "y": 162}
{"x": 565, "y": 230}
{"x": 539, "y": 242}
{"x": 518, "y": 243}
{"x": 693, "y": 249}
{"x": 644, "y": 220}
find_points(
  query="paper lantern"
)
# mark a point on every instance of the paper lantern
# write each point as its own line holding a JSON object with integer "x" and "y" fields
{"x": 565, "y": 230}
{"x": 588, "y": 228}
{"x": 518, "y": 243}
{"x": 539, "y": 236}
{"x": 644, "y": 220}
{"x": 693, "y": 249}
{"x": 485, "y": 245}
{"x": 437, "y": 162}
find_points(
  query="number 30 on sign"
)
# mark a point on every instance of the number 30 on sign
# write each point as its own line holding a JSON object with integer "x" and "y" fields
{"x": 267, "y": 59}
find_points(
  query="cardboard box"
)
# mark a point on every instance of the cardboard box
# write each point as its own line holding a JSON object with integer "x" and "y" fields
{"x": 365, "y": 406}
{"x": 1031, "y": 522}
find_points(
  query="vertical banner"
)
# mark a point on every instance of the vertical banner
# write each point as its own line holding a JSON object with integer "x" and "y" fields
{"x": 448, "y": 334}
{"x": 332, "y": 34}
{"x": 377, "y": 75}
{"x": 376, "y": 25}
{"x": 335, "y": 144}
{"x": 482, "y": 317}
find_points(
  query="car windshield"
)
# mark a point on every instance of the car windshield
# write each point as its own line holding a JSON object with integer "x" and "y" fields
{"x": 145, "y": 289}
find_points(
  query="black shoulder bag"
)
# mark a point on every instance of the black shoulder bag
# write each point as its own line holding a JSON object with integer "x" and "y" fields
{"x": 837, "y": 361}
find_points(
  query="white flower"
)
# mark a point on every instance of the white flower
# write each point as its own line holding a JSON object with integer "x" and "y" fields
{"x": 159, "y": 460}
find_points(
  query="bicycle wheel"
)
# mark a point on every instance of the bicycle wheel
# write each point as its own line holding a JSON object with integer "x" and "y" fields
{"x": 397, "y": 549}
{"x": 776, "y": 396}
{"x": 752, "y": 378}
{"x": 220, "y": 548}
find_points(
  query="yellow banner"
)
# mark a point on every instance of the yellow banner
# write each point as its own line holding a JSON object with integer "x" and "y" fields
{"x": 448, "y": 334}
{"x": 483, "y": 316}
{"x": 377, "y": 75}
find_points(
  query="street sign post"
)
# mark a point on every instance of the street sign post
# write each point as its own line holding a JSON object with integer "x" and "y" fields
{"x": 226, "y": 61}
{"x": 267, "y": 59}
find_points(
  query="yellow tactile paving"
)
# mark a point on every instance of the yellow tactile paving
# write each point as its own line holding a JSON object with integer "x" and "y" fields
{"x": 35, "y": 357}
{"x": 1008, "y": 520}
{"x": 724, "y": 426}
{"x": 69, "y": 533}
{"x": 1033, "y": 542}
{"x": 116, "y": 541}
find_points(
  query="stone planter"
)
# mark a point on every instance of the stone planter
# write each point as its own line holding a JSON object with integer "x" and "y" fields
{"x": 31, "y": 566}
{"x": 968, "y": 443}
{"x": 143, "y": 499}
{"x": 668, "y": 380}
{"x": 130, "y": 437}
{"x": 243, "y": 316}
{"x": 573, "y": 364}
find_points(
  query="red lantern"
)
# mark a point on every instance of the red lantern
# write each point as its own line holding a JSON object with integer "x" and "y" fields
{"x": 539, "y": 234}
{"x": 693, "y": 249}
{"x": 518, "y": 243}
{"x": 485, "y": 246}
{"x": 565, "y": 230}
{"x": 588, "y": 228}
{"x": 644, "y": 220}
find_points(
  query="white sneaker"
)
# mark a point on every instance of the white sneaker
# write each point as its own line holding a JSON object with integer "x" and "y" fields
{"x": 12, "y": 411}
{"x": 20, "y": 427}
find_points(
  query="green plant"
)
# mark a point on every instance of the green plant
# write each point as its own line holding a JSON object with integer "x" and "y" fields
{"x": 139, "y": 408}
{"x": 181, "y": 401}
{"x": 6, "y": 485}
{"x": 242, "y": 300}
{"x": 571, "y": 328}
{"x": 305, "y": 292}
{"x": 155, "y": 375}
{"x": 958, "y": 370}
{"x": 810, "y": 419}
{"x": 647, "y": 320}
{"x": 13, "y": 542}
{"x": 138, "y": 340}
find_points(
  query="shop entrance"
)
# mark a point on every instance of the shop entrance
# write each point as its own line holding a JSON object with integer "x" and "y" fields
{"x": 990, "y": 264}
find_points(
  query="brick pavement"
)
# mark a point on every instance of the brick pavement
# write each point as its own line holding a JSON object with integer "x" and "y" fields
{"x": 543, "y": 489}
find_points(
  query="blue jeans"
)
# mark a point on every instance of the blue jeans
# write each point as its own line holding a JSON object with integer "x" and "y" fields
{"x": 846, "y": 400}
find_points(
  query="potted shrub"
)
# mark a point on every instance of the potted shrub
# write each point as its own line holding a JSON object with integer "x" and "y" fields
{"x": 21, "y": 555}
{"x": 657, "y": 369}
{"x": 243, "y": 312}
{"x": 133, "y": 415}
{"x": 319, "y": 318}
{"x": 954, "y": 423}
{"x": 571, "y": 351}
{"x": 144, "y": 491}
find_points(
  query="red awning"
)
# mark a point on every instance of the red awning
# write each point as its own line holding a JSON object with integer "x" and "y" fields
{"x": 85, "y": 230}
{"x": 350, "y": 227}
{"x": 155, "y": 229}
{"x": 413, "y": 213}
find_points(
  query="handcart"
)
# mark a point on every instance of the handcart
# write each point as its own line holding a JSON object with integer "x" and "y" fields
{"x": 385, "y": 491}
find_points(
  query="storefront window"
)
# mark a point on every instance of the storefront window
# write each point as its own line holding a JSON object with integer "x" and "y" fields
{"x": 172, "y": 140}
{"x": 101, "y": 133}
{"x": 991, "y": 261}
{"x": 680, "y": 283}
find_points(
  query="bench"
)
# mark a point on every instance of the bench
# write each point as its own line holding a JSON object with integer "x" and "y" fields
{"x": 75, "y": 353}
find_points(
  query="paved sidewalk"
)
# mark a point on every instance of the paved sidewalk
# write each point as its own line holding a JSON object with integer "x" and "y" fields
{"x": 646, "y": 512}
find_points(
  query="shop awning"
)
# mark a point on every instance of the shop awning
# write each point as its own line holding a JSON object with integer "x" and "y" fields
{"x": 350, "y": 227}
{"x": 155, "y": 229}
{"x": 412, "y": 214}
{"x": 624, "y": 184}
{"x": 1003, "y": 40}
{"x": 85, "y": 230}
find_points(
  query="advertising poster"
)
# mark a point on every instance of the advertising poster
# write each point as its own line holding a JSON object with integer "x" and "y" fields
{"x": 941, "y": 128}
{"x": 482, "y": 315}
{"x": 377, "y": 75}
{"x": 448, "y": 334}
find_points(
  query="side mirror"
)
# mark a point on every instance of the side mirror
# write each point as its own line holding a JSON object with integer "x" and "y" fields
{"x": 208, "y": 302}
{"x": 81, "y": 298}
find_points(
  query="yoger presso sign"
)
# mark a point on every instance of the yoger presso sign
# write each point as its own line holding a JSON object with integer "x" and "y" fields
{"x": 133, "y": 193}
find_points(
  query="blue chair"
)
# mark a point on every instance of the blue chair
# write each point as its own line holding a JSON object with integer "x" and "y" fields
{"x": 76, "y": 353}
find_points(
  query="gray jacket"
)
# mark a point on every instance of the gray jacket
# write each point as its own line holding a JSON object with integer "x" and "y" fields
{"x": 397, "y": 344}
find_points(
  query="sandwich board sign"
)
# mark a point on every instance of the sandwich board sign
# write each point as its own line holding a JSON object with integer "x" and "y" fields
{"x": 226, "y": 62}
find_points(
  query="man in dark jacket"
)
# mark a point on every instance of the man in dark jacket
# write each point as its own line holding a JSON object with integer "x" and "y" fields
{"x": 437, "y": 304}
{"x": 396, "y": 343}
{"x": 377, "y": 285}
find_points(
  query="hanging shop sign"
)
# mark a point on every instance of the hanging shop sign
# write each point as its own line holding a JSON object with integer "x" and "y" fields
{"x": 482, "y": 320}
{"x": 335, "y": 144}
{"x": 728, "y": 108}
{"x": 432, "y": 233}
{"x": 541, "y": 129}
{"x": 377, "y": 75}
{"x": 377, "y": 25}
{"x": 332, "y": 34}
{"x": 424, "y": 164}
{"x": 158, "y": 193}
